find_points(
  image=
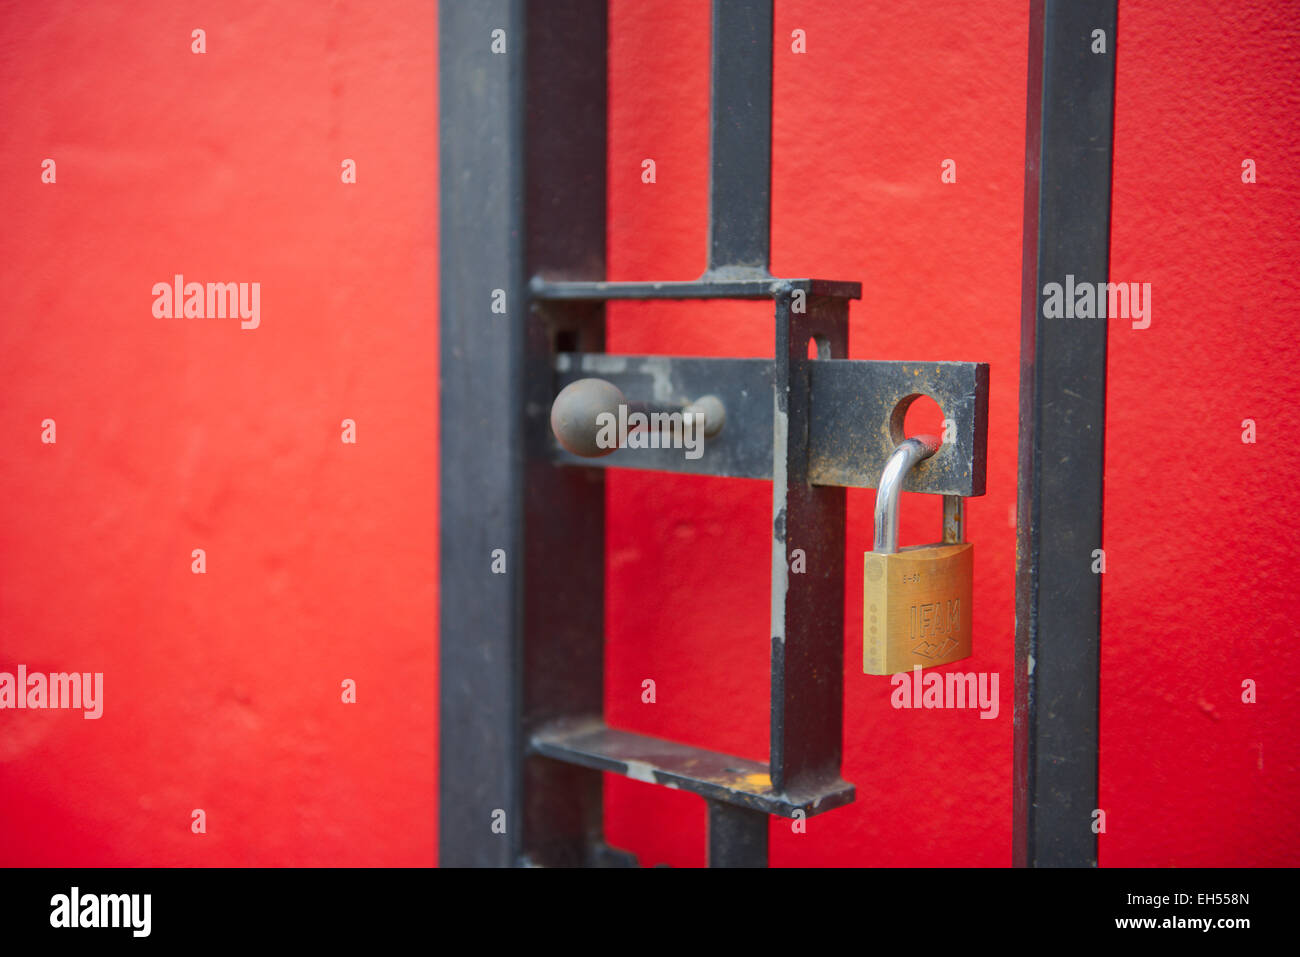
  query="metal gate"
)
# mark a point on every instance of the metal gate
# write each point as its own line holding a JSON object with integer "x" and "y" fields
{"x": 523, "y": 737}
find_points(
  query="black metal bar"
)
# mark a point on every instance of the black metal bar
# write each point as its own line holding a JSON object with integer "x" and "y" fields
{"x": 856, "y": 422}
{"x": 740, "y": 171}
{"x": 564, "y": 603}
{"x": 709, "y": 287}
{"x": 719, "y": 777}
{"x": 522, "y": 149}
{"x": 481, "y": 507}
{"x": 737, "y": 836}
{"x": 1062, "y": 422}
{"x": 849, "y": 438}
{"x": 808, "y": 537}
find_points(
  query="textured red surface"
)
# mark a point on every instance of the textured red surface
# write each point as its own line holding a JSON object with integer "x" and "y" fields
{"x": 223, "y": 689}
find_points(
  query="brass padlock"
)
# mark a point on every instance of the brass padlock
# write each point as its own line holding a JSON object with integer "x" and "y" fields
{"x": 916, "y": 604}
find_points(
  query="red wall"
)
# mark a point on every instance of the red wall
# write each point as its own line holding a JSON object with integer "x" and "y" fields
{"x": 223, "y": 690}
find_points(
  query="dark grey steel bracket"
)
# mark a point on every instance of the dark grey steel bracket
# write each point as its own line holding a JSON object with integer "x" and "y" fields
{"x": 852, "y": 430}
{"x": 1062, "y": 426}
{"x": 523, "y": 737}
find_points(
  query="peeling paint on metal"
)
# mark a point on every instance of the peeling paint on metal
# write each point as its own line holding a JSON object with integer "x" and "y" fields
{"x": 641, "y": 771}
{"x": 659, "y": 368}
{"x": 601, "y": 362}
{"x": 780, "y": 571}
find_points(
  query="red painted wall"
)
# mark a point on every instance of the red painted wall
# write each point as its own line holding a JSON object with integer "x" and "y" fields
{"x": 223, "y": 690}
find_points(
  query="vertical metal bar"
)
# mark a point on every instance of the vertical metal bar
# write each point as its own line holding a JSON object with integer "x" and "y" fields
{"x": 737, "y": 836}
{"x": 1062, "y": 422}
{"x": 740, "y": 172}
{"x": 954, "y": 519}
{"x": 564, "y": 602}
{"x": 522, "y": 193}
{"x": 480, "y": 157}
{"x": 808, "y": 535}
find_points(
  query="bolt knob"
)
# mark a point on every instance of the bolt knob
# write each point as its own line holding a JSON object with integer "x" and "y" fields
{"x": 575, "y": 411}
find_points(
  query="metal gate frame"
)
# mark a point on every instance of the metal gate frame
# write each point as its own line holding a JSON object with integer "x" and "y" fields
{"x": 523, "y": 742}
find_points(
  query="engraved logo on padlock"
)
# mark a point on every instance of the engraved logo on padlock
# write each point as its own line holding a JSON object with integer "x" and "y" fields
{"x": 916, "y": 601}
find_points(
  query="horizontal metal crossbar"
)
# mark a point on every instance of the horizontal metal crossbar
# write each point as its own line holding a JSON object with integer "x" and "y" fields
{"x": 590, "y": 743}
{"x": 768, "y": 288}
{"x": 856, "y": 417}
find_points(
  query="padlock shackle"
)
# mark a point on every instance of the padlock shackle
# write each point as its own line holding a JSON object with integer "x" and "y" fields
{"x": 907, "y": 454}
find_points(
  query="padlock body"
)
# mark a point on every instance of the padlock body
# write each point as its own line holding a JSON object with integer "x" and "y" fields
{"x": 916, "y": 607}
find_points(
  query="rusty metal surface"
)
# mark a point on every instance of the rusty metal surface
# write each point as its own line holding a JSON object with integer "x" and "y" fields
{"x": 853, "y": 434}
{"x": 591, "y": 743}
{"x": 808, "y": 521}
{"x": 850, "y": 432}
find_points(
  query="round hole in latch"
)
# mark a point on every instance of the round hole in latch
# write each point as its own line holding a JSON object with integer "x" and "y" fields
{"x": 818, "y": 348}
{"x": 916, "y": 414}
